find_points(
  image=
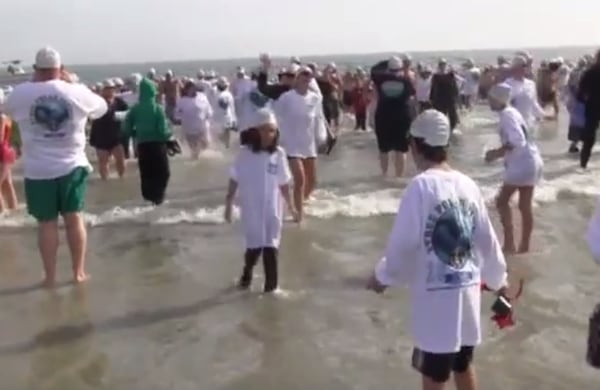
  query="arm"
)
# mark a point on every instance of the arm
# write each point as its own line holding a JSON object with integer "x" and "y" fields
{"x": 93, "y": 104}
{"x": 284, "y": 177}
{"x": 128, "y": 127}
{"x": 397, "y": 266}
{"x": 163, "y": 126}
{"x": 493, "y": 268}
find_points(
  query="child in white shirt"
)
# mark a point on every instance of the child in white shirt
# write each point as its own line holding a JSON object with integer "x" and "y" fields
{"x": 523, "y": 166}
{"x": 442, "y": 246}
{"x": 262, "y": 176}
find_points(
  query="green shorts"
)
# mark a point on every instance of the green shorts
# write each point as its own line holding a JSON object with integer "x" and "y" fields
{"x": 49, "y": 198}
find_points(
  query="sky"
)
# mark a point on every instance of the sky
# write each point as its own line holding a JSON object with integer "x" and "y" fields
{"x": 123, "y": 31}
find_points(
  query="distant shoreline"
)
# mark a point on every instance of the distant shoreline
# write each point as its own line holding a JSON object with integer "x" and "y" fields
{"x": 317, "y": 57}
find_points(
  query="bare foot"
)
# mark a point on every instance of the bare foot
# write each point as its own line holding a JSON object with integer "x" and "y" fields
{"x": 524, "y": 249}
{"x": 81, "y": 277}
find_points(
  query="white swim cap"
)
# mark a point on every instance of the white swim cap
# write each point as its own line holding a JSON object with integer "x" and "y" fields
{"x": 394, "y": 63}
{"x": 212, "y": 74}
{"x": 152, "y": 71}
{"x": 295, "y": 60}
{"x": 261, "y": 117}
{"x": 433, "y": 127}
{"x": 222, "y": 81}
{"x": 109, "y": 83}
{"x": 118, "y": 82}
{"x": 406, "y": 57}
{"x": 169, "y": 73}
{"x": 519, "y": 61}
{"x": 135, "y": 78}
{"x": 501, "y": 93}
{"x": 294, "y": 68}
{"x": 201, "y": 73}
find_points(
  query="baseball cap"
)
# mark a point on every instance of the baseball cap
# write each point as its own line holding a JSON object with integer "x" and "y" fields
{"x": 48, "y": 58}
{"x": 433, "y": 127}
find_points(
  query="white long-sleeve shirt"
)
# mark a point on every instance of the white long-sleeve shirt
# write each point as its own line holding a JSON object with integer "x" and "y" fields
{"x": 443, "y": 246}
{"x": 194, "y": 113}
{"x": 524, "y": 98}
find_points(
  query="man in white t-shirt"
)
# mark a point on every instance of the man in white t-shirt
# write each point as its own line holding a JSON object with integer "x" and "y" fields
{"x": 52, "y": 112}
{"x": 442, "y": 246}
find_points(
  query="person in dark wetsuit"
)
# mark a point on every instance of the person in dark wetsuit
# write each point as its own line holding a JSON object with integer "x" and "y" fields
{"x": 393, "y": 113}
{"x": 589, "y": 94}
{"x": 445, "y": 93}
{"x": 105, "y": 134}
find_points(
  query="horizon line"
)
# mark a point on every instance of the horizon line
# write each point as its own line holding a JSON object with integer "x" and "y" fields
{"x": 354, "y": 54}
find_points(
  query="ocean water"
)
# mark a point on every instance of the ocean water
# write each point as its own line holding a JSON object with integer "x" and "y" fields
{"x": 95, "y": 73}
{"x": 159, "y": 311}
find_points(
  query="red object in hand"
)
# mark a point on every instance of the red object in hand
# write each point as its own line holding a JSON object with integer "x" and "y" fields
{"x": 503, "y": 322}
{"x": 484, "y": 287}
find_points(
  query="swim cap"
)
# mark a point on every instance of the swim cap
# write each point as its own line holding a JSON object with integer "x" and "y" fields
{"x": 501, "y": 93}
{"x": 261, "y": 117}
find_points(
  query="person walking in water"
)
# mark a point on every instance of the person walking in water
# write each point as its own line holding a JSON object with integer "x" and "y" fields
{"x": 52, "y": 112}
{"x": 443, "y": 246}
{"x": 146, "y": 122}
{"x": 8, "y": 156}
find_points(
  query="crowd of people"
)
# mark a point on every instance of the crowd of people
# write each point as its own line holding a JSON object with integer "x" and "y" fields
{"x": 442, "y": 244}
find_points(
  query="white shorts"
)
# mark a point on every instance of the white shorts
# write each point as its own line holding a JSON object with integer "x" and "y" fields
{"x": 525, "y": 175}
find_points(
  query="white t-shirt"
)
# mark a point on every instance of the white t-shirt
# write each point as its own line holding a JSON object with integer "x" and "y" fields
{"x": 423, "y": 88}
{"x": 194, "y": 113}
{"x": 523, "y": 163}
{"x": 299, "y": 118}
{"x": 52, "y": 116}
{"x": 442, "y": 246}
{"x": 208, "y": 88}
{"x": 259, "y": 177}
{"x": 224, "y": 110}
{"x": 525, "y": 100}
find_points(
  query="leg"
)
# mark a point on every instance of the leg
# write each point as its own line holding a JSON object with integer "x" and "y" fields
{"x": 503, "y": 206}
{"x": 384, "y": 144}
{"x": 48, "y": 246}
{"x": 103, "y": 159}
{"x": 8, "y": 191}
{"x": 125, "y": 144}
{"x": 588, "y": 137}
{"x": 226, "y": 137}
{"x": 383, "y": 163}
{"x": 3, "y": 175}
{"x": 299, "y": 183}
{"x": 401, "y": 146}
{"x": 119, "y": 155}
{"x": 434, "y": 368}
{"x": 464, "y": 374}
{"x": 399, "y": 161}
{"x": 72, "y": 192}
{"x": 526, "y": 209}
{"x": 77, "y": 239}
{"x": 270, "y": 267}
{"x": 310, "y": 173}
{"x": 250, "y": 259}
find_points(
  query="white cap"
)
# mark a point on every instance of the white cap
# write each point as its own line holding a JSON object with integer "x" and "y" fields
{"x": 304, "y": 69}
{"x": 169, "y": 73}
{"x": 98, "y": 85}
{"x": 261, "y": 117}
{"x": 294, "y": 68}
{"x": 222, "y": 81}
{"x": 212, "y": 74}
{"x": 109, "y": 83}
{"x": 48, "y": 58}
{"x": 394, "y": 63}
{"x": 433, "y": 127}
{"x": 135, "y": 78}
{"x": 152, "y": 71}
{"x": 500, "y": 93}
{"x": 201, "y": 73}
{"x": 406, "y": 57}
{"x": 519, "y": 61}
{"x": 118, "y": 82}
{"x": 295, "y": 60}
{"x": 240, "y": 70}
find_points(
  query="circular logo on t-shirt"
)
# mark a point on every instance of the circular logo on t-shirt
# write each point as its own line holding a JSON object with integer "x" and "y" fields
{"x": 50, "y": 112}
{"x": 223, "y": 103}
{"x": 258, "y": 99}
{"x": 392, "y": 88}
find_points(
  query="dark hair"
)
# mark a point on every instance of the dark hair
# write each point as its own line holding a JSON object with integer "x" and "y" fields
{"x": 436, "y": 154}
{"x": 187, "y": 87}
{"x": 251, "y": 139}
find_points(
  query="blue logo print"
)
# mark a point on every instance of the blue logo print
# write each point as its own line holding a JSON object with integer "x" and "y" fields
{"x": 272, "y": 168}
{"x": 258, "y": 99}
{"x": 392, "y": 88}
{"x": 51, "y": 113}
{"x": 449, "y": 235}
{"x": 223, "y": 103}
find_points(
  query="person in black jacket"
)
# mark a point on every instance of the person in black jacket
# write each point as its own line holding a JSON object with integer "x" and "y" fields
{"x": 445, "y": 93}
{"x": 105, "y": 134}
{"x": 589, "y": 94}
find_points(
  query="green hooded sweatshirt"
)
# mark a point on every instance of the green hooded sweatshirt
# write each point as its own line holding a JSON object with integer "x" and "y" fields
{"x": 146, "y": 121}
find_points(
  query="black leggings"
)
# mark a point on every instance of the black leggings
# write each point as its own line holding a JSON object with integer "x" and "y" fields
{"x": 588, "y": 136}
{"x": 269, "y": 256}
{"x": 361, "y": 120}
{"x": 153, "y": 163}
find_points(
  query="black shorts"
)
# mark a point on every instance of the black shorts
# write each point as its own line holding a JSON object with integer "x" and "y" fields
{"x": 392, "y": 136}
{"x": 438, "y": 366}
